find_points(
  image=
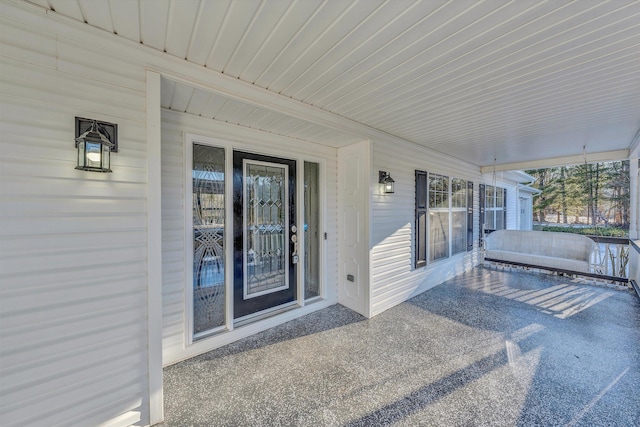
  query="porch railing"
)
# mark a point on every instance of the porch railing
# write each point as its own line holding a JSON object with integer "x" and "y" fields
{"x": 611, "y": 256}
{"x": 634, "y": 265}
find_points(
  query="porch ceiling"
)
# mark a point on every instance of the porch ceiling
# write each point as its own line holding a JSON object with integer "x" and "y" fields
{"x": 512, "y": 81}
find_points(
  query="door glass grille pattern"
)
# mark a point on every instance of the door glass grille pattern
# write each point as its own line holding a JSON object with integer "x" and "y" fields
{"x": 208, "y": 238}
{"x": 266, "y": 225}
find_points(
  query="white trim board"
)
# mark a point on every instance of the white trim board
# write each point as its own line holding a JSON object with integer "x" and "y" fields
{"x": 154, "y": 248}
{"x": 604, "y": 156}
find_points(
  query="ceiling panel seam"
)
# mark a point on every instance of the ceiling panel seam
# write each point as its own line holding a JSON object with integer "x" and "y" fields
{"x": 291, "y": 40}
{"x": 490, "y": 72}
{"x": 388, "y": 43}
{"x": 244, "y": 35}
{"x": 414, "y": 58}
{"x": 311, "y": 45}
{"x": 464, "y": 91}
{"x": 496, "y": 98}
{"x": 344, "y": 92}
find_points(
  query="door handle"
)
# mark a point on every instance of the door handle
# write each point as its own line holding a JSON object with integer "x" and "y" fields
{"x": 294, "y": 254}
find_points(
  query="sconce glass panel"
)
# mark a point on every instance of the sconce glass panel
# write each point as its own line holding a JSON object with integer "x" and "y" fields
{"x": 94, "y": 142}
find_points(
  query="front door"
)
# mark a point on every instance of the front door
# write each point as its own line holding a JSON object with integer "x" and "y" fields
{"x": 265, "y": 233}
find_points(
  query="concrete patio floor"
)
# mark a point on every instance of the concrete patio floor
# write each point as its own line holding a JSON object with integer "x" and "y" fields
{"x": 488, "y": 348}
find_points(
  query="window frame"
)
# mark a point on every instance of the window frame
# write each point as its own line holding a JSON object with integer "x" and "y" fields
{"x": 440, "y": 197}
{"x": 421, "y": 219}
{"x": 428, "y": 204}
{"x": 462, "y": 211}
{"x": 494, "y": 210}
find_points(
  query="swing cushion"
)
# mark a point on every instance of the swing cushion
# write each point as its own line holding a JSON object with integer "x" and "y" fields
{"x": 565, "y": 251}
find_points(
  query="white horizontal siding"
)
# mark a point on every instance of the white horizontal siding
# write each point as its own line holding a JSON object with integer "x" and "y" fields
{"x": 174, "y": 126}
{"x": 73, "y": 264}
{"x": 393, "y": 275}
{"x": 512, "y": 206}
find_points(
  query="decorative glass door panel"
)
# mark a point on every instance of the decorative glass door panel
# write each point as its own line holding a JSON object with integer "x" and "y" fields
{"x": 265, "y": 234}
{"x": 265, "y": 228}
{"x": 208, "y": 177}
{"x": 311, "y": 230}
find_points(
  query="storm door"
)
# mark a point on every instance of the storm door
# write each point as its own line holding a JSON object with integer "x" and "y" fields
{"x": 265, "y": 233}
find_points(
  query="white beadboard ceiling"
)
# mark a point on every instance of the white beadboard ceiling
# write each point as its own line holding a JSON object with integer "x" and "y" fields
{"x": 185, "y": 98}
{"x": 484, "y": 81}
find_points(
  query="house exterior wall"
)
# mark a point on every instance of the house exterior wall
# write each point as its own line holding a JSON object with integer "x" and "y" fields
{"x": 507, "y": 181}
{"x": 74, "y": 343}
{"x": 524, "y": 211}
{"x": 394, "y": 278}
{"x": 513, "y": 205}
{"x": 174, "y": 127}
{"x": 73, "y": 260}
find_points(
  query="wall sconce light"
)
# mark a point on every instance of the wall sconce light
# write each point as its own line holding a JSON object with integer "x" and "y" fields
{"x": 95, "y": 141}
{"x": 385, "y": 179}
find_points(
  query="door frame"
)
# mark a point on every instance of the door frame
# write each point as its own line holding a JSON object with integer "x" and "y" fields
{"x": 230, "y": 332}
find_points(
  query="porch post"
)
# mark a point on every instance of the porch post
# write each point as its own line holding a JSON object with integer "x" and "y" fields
{"x": 634, "y": 232}
{"x": 154, "y": 250}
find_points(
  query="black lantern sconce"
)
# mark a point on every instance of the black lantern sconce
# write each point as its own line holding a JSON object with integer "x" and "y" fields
{"x": 95, "y": 141}
{"x": 387, "y": 182}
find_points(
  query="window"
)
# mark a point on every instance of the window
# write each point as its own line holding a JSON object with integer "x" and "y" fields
{"x": 441, "y": 217}
{"x": 458, "y": 216}
{"x": 421, "y": 219}
{"x": 495, "y": 208}
{"x": 438, "y": 217}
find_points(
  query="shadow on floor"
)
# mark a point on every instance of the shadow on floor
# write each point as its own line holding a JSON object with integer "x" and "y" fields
{"x": 486, "y": 348}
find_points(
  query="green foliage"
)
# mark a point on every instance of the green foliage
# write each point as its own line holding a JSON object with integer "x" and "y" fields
{"x": 598, "y": 192}
{"x": 587, "y": 231}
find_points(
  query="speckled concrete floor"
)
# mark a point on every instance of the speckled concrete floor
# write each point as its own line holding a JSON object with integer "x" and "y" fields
{"x": 489, "y": 348}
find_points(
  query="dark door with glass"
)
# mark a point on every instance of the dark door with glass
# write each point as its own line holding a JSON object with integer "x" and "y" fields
{"x": 265, "y": 232}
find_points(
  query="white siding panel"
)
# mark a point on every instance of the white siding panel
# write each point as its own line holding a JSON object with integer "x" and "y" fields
{"x": 512, "y": 207}
{"x": 394, "y": 278}
{"x": 73, "y": 255}
{"x": 174, "y": 127}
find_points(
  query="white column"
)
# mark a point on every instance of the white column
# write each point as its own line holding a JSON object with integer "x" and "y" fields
{"x": 634, "y": 207}
{"x": 154, "y": 249}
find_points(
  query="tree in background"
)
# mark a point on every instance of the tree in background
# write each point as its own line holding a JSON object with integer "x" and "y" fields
{"x": 563, "y": 193}
{"x": 617, "y": 191}
{"x": 548, "y": 195}
{"x": 599, "y": 191}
